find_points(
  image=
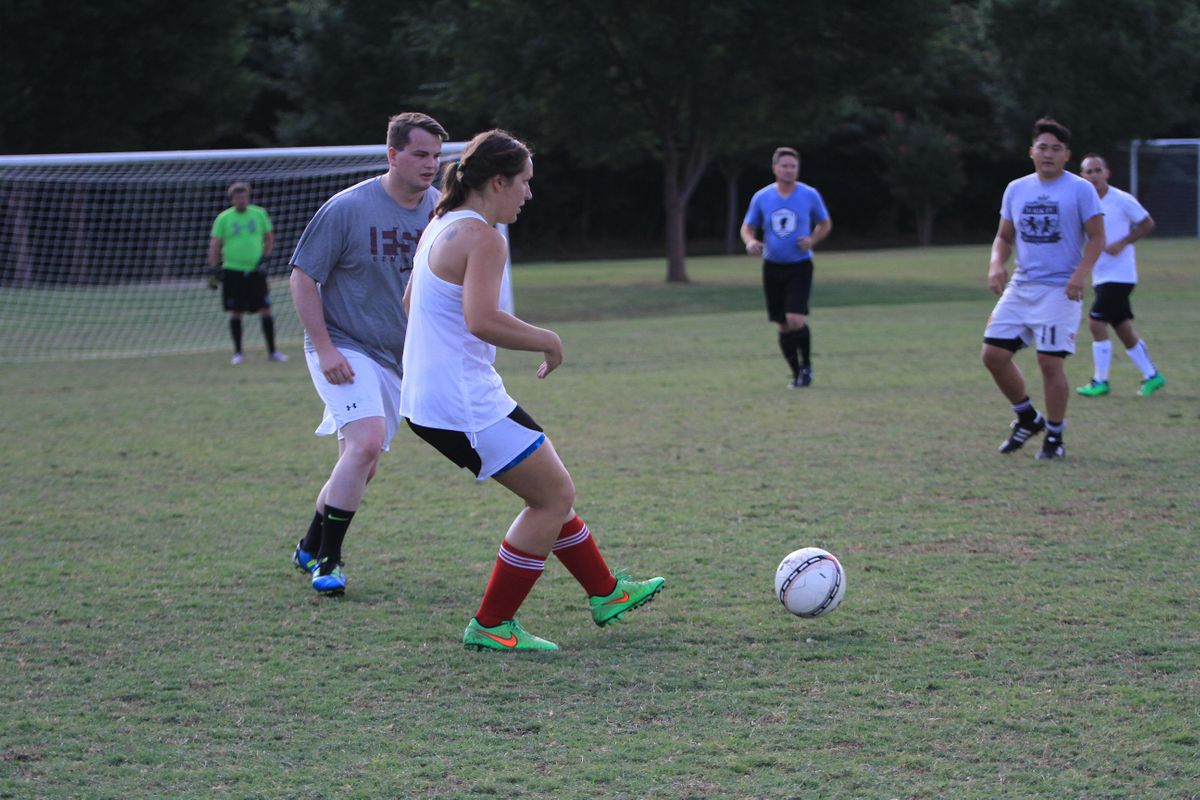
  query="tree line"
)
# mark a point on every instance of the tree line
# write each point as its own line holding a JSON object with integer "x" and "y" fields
{"x": 652, "y": 121}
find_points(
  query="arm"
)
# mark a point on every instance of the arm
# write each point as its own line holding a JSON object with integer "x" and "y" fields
{"x": 311, "y": 312}
{"x": 481, "y": 301}
{"x": 1094, "y": 228}
{"x": 753, "y": 246}
{"x": 819, "y": 232}
{"x": 1002, "y": 247}
{"x": 214, "y": 252}
{"x": 268, "y": 244}
{"x": 1136, "y": 232}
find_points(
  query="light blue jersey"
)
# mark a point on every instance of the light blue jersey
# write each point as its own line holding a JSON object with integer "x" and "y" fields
{"x": 786, "y": 220}
{"x": 1048, "y": 217}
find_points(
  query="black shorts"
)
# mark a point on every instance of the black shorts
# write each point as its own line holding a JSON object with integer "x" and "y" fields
{"x": 1112, "y": 303}
{"x": 493, "y": 450}
{"x": 787, "y": 287}
{"x": 244, "y": 291}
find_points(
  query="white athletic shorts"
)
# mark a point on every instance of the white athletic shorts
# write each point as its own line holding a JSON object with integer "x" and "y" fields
{"x": 1036, "y": 313}
{"x": 495, "y": 449}
{"x": 375, "y": 392}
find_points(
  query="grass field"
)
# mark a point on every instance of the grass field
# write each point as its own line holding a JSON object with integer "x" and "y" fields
{"x": 1011, "y": 628}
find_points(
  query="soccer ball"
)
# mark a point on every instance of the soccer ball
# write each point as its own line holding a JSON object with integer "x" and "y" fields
{"x": 810, "y": 582}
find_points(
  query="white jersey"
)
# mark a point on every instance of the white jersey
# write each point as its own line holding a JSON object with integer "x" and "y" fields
{"x": 1122, "y": 211}
{"x": 449, "y": 378}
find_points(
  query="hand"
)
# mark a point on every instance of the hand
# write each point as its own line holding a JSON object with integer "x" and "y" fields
{"x": 214, "y": 278}
{"x": 1075, "y": 286}
{"x": 754, "y": 247}
{"x": 262, "y": 265}
{"x": 997, "y": 278}
{"x": 804, "y": 243}
{"x": 335, "y": 367}
{"x": 553, "y": 358}
{"x": 1115, "y": 248}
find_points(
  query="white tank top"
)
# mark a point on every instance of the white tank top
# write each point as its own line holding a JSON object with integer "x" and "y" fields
{"x": 449, "y": 378}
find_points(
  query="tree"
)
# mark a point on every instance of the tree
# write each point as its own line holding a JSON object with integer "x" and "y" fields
{"x": 681, "y": 79}
{"x": 923, "y": 169}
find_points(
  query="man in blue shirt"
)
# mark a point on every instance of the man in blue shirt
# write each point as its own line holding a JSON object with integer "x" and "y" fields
{"x": 1054, "y": 220}
{"x": 793, "y": 219}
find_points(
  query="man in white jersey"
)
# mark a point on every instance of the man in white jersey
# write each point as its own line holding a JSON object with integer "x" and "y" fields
{"x": 1125, "y": 221}
{"x": 1054, "y": 221}
{"x": 349, "y": 273}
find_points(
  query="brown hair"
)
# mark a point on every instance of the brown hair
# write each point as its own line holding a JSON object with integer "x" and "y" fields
{"x": 1103, "y": 160}
{"x": 235, "y": 187}
{"x": 489, "y": 154}
{"x": 401, "y": 125}
{"x": 780, "y": 152}
{"x": 1052, "y": 126}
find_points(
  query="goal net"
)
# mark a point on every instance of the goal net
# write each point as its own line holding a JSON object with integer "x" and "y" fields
{"x": 105, "y": 255}
{"x": 1164, "y": 174}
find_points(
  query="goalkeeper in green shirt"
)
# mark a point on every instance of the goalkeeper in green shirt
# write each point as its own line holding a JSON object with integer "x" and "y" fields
{"x": 240, "y": 245}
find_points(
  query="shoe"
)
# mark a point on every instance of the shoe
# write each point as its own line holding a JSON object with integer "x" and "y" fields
{"x": 237, "y": 359}
{"x": 304, "y": 560}
{"x": 803, "y": 379}
{"x": 278, "y": 356}
{"x": 508, "y": 636}
{"x": 1152, "y": 385}
{"x": 1094, "y": 388}
{"x": 628, "y": 595}
{"x": 332, "y": 583}
{"x": 1021, "y": 433}
{"x": 1052, "y": 447}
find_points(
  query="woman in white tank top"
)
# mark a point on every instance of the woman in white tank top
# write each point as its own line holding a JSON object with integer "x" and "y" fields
{"x": 453, "y": 397}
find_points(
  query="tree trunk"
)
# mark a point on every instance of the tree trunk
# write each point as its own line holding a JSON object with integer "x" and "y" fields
{"x": 680, "y": 177}
{"x": 925, "y": 225}
{"x": 733, "y": 215}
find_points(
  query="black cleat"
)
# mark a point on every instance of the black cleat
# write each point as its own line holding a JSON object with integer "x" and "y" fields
{"x": 1022, "y": 433}
{"x": 1052, "y": 447}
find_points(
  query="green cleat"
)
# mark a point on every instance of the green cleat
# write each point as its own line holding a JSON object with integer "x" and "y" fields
{"x": 1094, "y": 388}
{"x": 628, "y": 595}
{"x": 508, "y": 636}
{"x": 1152, "y": 385}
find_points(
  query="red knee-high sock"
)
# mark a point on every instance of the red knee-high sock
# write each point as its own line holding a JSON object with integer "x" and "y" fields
{"x": 578, "y": 552}
{"x": 512, "y": 578}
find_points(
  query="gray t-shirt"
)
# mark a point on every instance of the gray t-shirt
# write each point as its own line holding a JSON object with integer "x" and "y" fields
{"x": 359, "y": 248}
{"x": 1048, "y": 217}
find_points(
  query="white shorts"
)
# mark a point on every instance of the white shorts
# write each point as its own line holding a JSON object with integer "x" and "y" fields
{"x": 1036, "y": 312}
{"x": 375, "y": 392}
{"x": 495, "y": 449}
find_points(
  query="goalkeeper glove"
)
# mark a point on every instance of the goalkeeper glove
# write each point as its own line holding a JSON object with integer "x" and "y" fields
{"x": 214, "y": 278}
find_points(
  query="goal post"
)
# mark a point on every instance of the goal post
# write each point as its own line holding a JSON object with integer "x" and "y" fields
{"x": 104, "y": 255}
{"x": 1164, "y": 174}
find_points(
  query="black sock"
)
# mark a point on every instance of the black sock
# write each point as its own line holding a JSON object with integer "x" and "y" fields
{"x": 1026, "y": 413}
{"x": 334, "y": 531}
{"x": 787, "y": 344}
{"x": 312, "y": 540}
{"x": 804, "y": 342}
{"x": 235, "y": 330}
{"x": 268, "y": 326}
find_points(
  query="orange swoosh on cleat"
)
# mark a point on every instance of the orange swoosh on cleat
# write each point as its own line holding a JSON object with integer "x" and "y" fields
{"x": 511, "y": 641}
{"x": 624, "y": 596}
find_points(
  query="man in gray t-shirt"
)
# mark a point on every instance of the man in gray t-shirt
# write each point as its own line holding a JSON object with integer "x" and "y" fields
{"x": 1055, "y": 222}
{"x": 349, "y": 273}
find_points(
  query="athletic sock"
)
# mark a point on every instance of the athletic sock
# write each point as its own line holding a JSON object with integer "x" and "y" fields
{"x": 268, "y": 328}
{"x": 513, "y": 576}
{"x": 235, "y": 330}
{"x": 804, "y": 342}
{"x": 312, "y": 540}
{"x": 1056, "y": 428}
{"x": 1102, "y": 359}
{"x": 787, "y": 344}
{"x": 1141, "y": 357}
{"x": 336, "y": 523}
{"x": 1025, "y": 411}
{"x": 577, "y": 551}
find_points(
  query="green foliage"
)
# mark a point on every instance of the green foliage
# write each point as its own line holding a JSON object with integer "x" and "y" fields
{"x": 923, "y": 169}
{"x": 1011, "y": 628}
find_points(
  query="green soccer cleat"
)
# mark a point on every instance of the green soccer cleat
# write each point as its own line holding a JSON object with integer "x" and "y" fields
{"x": 628, "y": 595}
{"x": 1094, "y": 388}
{"x": 1152, "y": 385}
{"x": 508, "y": 636}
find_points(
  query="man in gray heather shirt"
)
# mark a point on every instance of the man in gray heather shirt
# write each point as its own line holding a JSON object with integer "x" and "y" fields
{"x": 349, "y": 273}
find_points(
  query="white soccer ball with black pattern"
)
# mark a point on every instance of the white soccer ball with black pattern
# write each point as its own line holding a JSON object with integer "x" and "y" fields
{"x": 810, "y": 582}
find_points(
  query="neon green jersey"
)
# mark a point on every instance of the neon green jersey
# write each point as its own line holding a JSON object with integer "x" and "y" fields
{"x": 241, "y": 234}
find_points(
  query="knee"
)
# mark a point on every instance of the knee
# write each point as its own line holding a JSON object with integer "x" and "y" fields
{"x": 1050, "y": 365}
{"x": 994, "y": 358}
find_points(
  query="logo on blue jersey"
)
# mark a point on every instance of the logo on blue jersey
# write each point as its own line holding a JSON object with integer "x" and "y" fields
{"x": 783, "y": 222}
{"x": 1039, "y": 222}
